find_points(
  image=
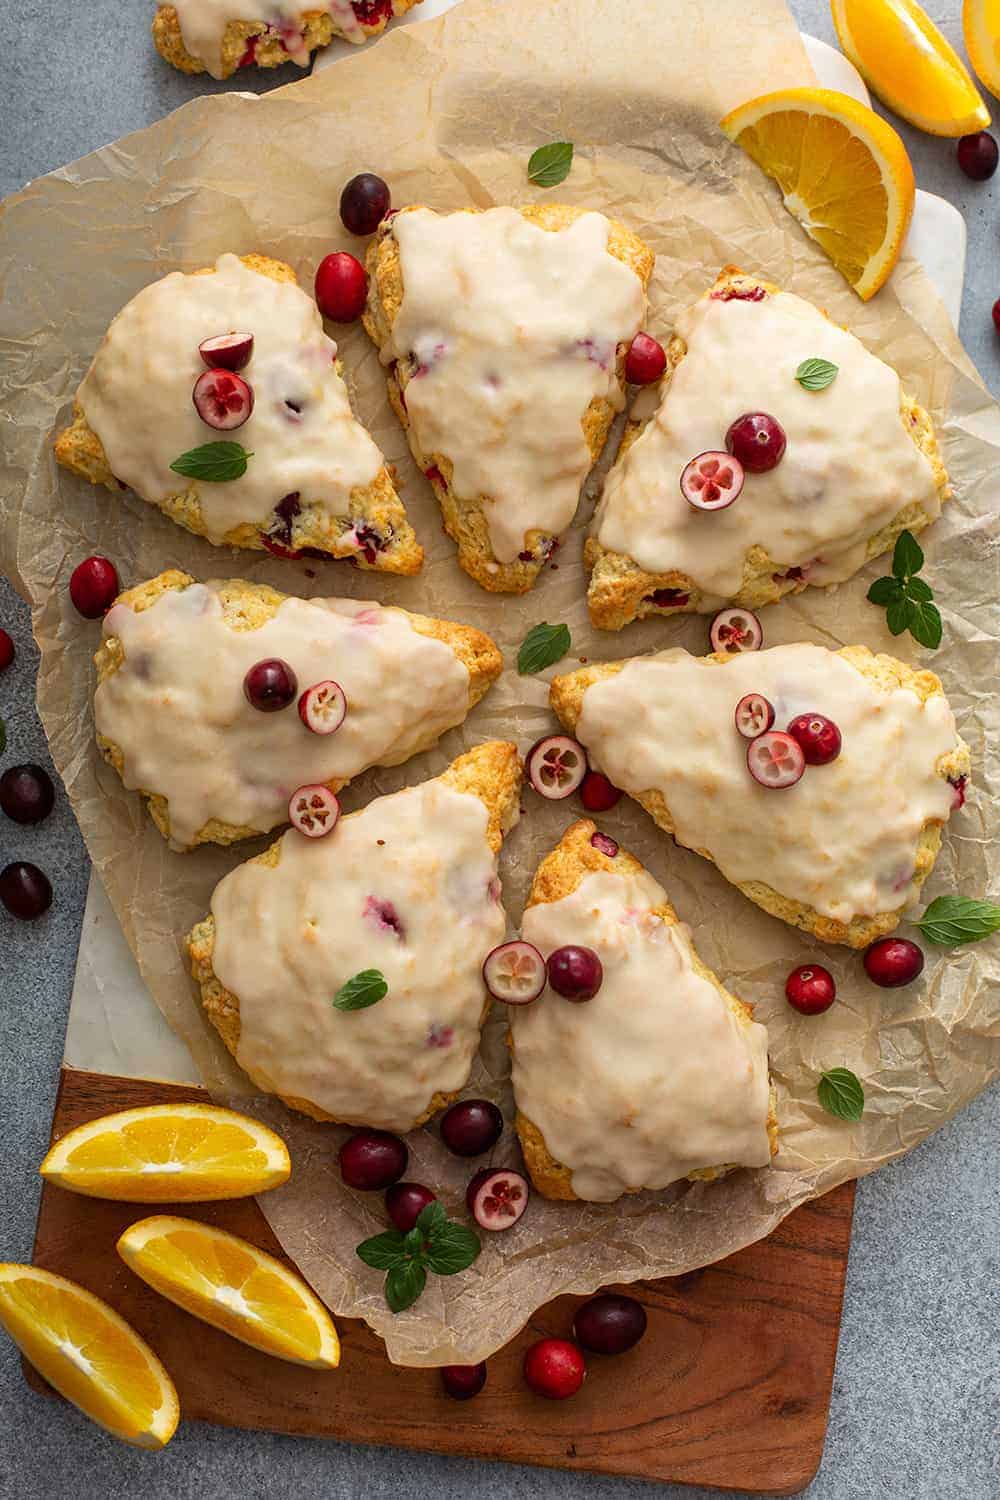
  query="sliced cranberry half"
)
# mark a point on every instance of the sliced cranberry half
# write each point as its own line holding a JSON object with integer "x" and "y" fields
{"x": 323, "y": 707}
{"x": 645, "y": 361}
{"x": 222, "y": 399}
{"x": 497, "y": 1197}
{"x": 736, "y": 630}
{"x": 597, "y": 793}
{"x": 775, "y": 760}
{"x": 818, "y": 736}
{"x": 314, "y": 811}
{"x": 754, "y": 715}
{"x": 515, "y": 973}
{"x": 227, "y": 351}
{"x": 556, "y": 766}
{"x": 810, "y": 989}
{"x": 757, "y": 440}
{"x": 712, "y": 481}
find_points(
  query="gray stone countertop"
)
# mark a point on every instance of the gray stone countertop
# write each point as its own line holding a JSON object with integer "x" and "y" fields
{"x": 914, "y": 1410}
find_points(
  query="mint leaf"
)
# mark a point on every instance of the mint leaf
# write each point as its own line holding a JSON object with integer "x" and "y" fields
{"x": 925, "y": 623}
{"x": 916, "y": 588}
{"x": 898, "y": 615}
{"x": 453, "y": 1248}
{"x": 885, "y": 590}
{"x": 213, "y": 462}
{"x": 550, "y": 164}
{"x": 413, "y": 1242}
{"x": 431, "y": 1218}
{"x": 404, "y": 1284}
{"x": 383, "y": 1250}
{"x": 816, "y": 374}
{"x": 952, "y": 920}
{"x": 907, "y": 557}
{"x": 543, "y": 645}
{"x": 841, "y": 1094}
{"x": 364, "y": 989}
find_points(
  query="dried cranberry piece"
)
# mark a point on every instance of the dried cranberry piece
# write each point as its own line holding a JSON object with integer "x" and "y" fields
{"x": 371, "y": 12}
{"x": 664, "y": 598}
{"x": 371, "y": 542}
{"x": 280, "y": 529}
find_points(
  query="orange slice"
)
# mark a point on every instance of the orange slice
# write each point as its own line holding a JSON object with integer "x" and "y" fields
{"x": 981, "y": 24}
{"x": 843, "y": 171}
{"x": 234, "y": 1286}
{"x": 169, "y": 1153}
{"x": 89, "y": 1354}
{"x": 906, "y": 61}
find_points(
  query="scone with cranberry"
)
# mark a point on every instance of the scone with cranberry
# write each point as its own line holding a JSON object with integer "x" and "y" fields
{"x": 218, "y": 397}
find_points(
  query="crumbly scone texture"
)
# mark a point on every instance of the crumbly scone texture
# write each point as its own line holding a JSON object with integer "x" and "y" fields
{"x": 318, "y": 28}
{"x": 558, "y": 875}
{"x": 887, "y": 674}
{"x": 247, "y": 606}
{"x": 314, "y": 531}
{"x": 491, "y": 772}
{"x": 464, "y": 515}
{"x": 620, "y": 590}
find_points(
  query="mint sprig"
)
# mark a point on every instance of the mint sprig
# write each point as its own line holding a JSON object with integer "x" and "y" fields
{"x": 550, "y": 165}
{"x": 841, "y": 1094}
{"x": 907, "y": 599}
{"x": 363, "y": 989}
{"x": 816, "y": 374}
{"x": 952, "y": 920}
{"x": 434, "y": 1243}
{"x": 215, "y": 463}
{"x": 543, "y": 645}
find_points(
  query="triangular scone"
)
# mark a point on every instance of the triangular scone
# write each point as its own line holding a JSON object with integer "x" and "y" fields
{"x": 842, "y": 851}
{"x": 173, "y": 719}
{"x": 505, "y": 335}
{"x": 861, "y": 464}
{"x": 663, "y": 1074}
{"x": 211, "y": 36}
{"x": 407, "y": 887}
{"x": 314, "y": 483}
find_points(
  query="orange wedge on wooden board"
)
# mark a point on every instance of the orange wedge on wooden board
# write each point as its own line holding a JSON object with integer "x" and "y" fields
{"x": 910, "y": 65}
{"x": 169, "y": 1153}
{"x": 843, "y": 171}
{"x": 234, "y": 1286}
{"x": 89, "y": 1354}
{"x": 981, "y": 24}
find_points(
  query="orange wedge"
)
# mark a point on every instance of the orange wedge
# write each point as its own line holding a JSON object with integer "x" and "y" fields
{"x": 912, "y": 68}
{"x": 234, "y": 1286}
{"x": 169, "y": 1153}
{"x": 981, "y": 24}
{"x": 843, "y": 171}
{"x": 89, "y": 1354}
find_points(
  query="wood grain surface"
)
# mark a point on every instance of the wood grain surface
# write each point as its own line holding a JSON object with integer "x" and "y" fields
{"x": 730, "y": 1387}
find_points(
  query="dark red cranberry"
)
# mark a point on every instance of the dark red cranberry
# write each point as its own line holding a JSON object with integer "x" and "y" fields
{"x": 250, "y": 55}
{"x": 604, "y": 845}
{"x": 757, "y": 440}
{"x": 462, "y": 1382}
{"x": 892, "y": 962}
{"x": 270, "y": 685}
{"x": 405, "y": 1201}
{"x": 960, "y": 784}
{"x": 6, "y": 650}
{"x": 25, "y": 890}
{"x": 609, "y": 1323}
{"x": 341, "y": 287}
{"x": 371, "y": 542}
{"x": 93, "y": 587}
{"x": 818, "y": 736}
{"x": 597, "y": 793}
{"x": 26, "y": 793}
{"x": 280, "y": 529}
{"x": 554, "y": 1368}
{"x": 372, "y": 1160}
{"x": 810, "y": 989}
{"x": 668, "y": 598}
{"x": 645, "y": 361}
{"x": 364, "y": 203}
{"x": 978, "y": 155}
{"x": 371, "y": 12}
{"x": 996, "y": 315}
{"x": 575, "y": 972}
{"x": 471, "y": 1127}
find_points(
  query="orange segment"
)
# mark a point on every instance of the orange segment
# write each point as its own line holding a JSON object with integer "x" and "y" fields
{"x": 843, "y": 171}
{"x": 89, "y": 1354}
{"x": 910, "y": 65}
{"x": 981, "y": 24}
{"x": 234, "y": 1286}
{"x": 169, "y": 1153}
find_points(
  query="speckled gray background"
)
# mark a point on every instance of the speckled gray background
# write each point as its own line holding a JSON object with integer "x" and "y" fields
{"x": 914, "y": 1412}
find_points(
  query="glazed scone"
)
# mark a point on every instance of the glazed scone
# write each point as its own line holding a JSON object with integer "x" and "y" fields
{"x": 314, "y": 483}
{"x": 408, "y": 887}
{"x": 862, "y": 464}
{"x": 505, "y": 334}
{"x": 841, "y": 852}
{"x": 663, "y": 1074}
{"x": 214, "y": 36}
{"x": 173, "y": 720}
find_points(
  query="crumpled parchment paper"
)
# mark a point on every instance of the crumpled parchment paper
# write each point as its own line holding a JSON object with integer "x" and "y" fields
{"x": 450, "y": 112}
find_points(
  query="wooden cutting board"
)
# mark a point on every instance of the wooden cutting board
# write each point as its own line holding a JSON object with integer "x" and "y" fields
{"x": 730, "y": 1386}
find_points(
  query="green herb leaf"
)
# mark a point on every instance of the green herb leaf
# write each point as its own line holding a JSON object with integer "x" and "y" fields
{"x": 885, "y": 590}
{"x": 550, "y": 164}
{"x": 841, "y": 1094}
{"x": 452, "y": 1249}
{"x": 907, "y": 558}
{"x": 431, "y": 1218}
{"x": 404, "y": 1284}
{"x": 413, "y": 1242}
{"x": 898, "y": 615}
{"x": 214, "y": 462}
{"x": 543, "y": 645}
{"x": 951, "y": 920}
{"x": 925, "y": 624}
{"x": 364, "y": 989}
{"x": 816, "y": 374}
{"x": 916, "y": 588}
{"x": 383, "y": 1250}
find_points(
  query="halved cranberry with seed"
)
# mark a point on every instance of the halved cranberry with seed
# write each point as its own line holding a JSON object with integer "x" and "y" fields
{"x": 25, "y": 890}
{"x": 313, "y": 810}
{"x": 610, "y": 1323}
{"x": 712, "y": 481}
{"x": 227, "y": 351}
{"x": 597, "y": 793}
{"x": 555, "y": 1369}
{"x": 810, "y": 989}
{"x": 605, "y": 845}
{"x": 270, "y": 685}
{"x": 341, "y": 287}
{"x": 462, "y": 1382}
{"x": 405, "y": 1202}
{"x": 959, "y": 783}
{"x": 757, "y": 440}
{"x": 645, "y": 361}
{"x": 736, "y": 630}
{"x": 26, "y": 793}
{"x": 93, "y": 587}
{"x": 222, "y": 399}
{"x": 497, "y": 1197}
{"x": 818, "y": 736}
{"x": 371, "y": 1160}
{"x": 575, "y": 972}
{"x": 556, "y": 766}
{"x": 775, "y": 759}
{"x": 754, "y": 715}
{"x": 515, "y": 973}
{"x": 364, "y": 203}
{"x": 6, "y": 650}
{"x": 471, "y": 1127}
{"x": 323, "y": 707}
{"x": 892, "y": 962}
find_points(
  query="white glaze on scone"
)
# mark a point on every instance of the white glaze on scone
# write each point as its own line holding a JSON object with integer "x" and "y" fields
{"x": 653, "y": 1078}
{"x": 409, "y": 887}
{"x": 137, "y": 397}
{"x": 176, "y": 708}
{"x": 515, "y": 331}
{"x": 203, "y": 25}
{"x": 844, "y": 838}
{"x": 849, "y": 468}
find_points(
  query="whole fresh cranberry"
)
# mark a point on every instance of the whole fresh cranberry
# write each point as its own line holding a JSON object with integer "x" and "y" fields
{"x": 405, "y": 1201}
{"x": 270, "y": 685}
{"x": 645, "y": 360}
{"x": 554, "y": 1368}
{"x": 6, "y": 650}
{"x": 471, "y": 1127}
{"x": 996, "y": 315}
{"x": 575, "y": 972}
{"x": 26, "y": 793}
{"x": 597, "y": 793}
{"x": 892, "y": 962}
{"x": 462, "y": 1382}
{"x": 810, "y": 989}
{"x": 364, "y": 203}
{"x": 757, "y": 440}
{"x": 341, "y": 287}
{"x": 610, "y": 1323}
{"x": 371, "y": 1160}
{"x": 978, "y": 155}
{"x": 25, "y": 890}
{"x": 818, "y": 736}
{"x": 93, "y": 587}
